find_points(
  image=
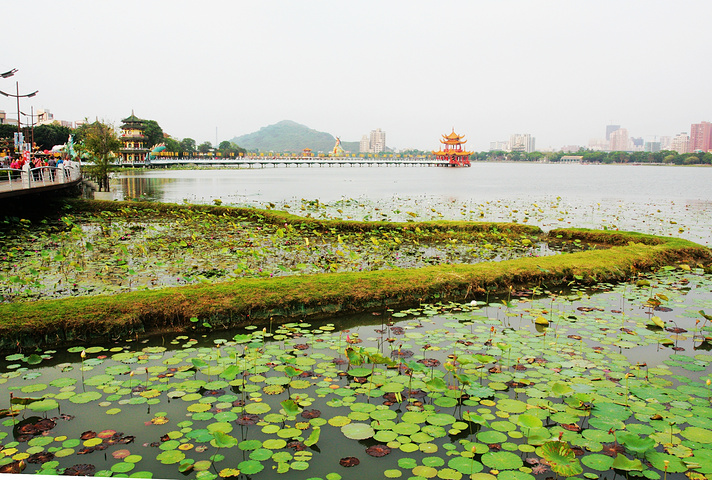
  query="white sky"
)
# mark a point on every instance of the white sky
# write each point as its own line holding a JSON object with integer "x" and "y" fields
{"x": 558, "y": 69}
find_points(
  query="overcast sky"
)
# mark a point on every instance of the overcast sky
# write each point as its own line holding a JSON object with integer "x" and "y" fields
{"x": 558, "y": 69}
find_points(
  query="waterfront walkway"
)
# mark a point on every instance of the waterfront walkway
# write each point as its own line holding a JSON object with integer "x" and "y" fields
{"x": 14, "y": 182}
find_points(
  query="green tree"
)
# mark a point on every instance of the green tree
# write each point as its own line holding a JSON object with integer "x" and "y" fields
{"x": 47, "y": 136}
{"x": 691, "y": 160}
{"x": 228, "y": 149}
{"x": 187, "y": 145}
{"x": 100, "y": 144}
{"x": 205, "y": 147}
{"x": 154, "y": 132}
{"x": 707, "y": 158}
{"x": 593, "y": 157}
{"x": 172, "y": 145}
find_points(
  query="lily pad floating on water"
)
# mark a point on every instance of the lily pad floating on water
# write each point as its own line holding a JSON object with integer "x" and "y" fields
{"x": 561, "y": 458}
{"x": 502, "y": 460}
{"x": 85, "y": 397}
{"x": 349, "y": 461}
{"x": 378, "y": 450}
{"x": 357, "y": 431}
{"x": 250, "y": 467}
{"x": 43, "y": 405}
{"x": 621, "y": 462}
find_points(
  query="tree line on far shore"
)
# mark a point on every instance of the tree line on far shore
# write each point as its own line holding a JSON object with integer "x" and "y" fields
{"x": 47, "y": 136}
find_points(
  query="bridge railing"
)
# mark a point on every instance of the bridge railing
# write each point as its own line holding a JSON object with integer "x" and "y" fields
{"x": 27, "y": 177}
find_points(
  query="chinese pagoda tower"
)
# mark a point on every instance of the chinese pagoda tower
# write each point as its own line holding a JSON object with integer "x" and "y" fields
{"x": 134, "y": 140}
{"x": 452, "y": 151}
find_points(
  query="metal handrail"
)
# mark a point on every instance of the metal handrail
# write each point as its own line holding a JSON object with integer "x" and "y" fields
{"x": 19, "y": 179}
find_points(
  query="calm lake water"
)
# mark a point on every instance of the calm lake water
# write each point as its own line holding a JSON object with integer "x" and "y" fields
{"x": 653, "y": 199}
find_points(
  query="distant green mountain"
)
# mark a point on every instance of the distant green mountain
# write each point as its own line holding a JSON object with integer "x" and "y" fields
{"x": 289, "y": 136}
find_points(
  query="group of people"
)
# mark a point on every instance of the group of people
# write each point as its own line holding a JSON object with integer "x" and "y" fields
{"x": 23, "y": 162}
{"x": 36, "y": 162}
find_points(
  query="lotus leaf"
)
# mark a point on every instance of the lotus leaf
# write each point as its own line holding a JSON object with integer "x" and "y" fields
{"x": 561, "y": 458}
{"x": 274, "y": 444}
{"x": 697, "y": 434}
{"x": 668, "y": 463}
{"x": 512, "y": 406}
{"x": 85, "y": 397}
{"x": 289, "y": 433}
{"x": 257, "y": 408}
{"x": 169, "y": 457}
{"x": 383, "y": 414}
{"x": 406, "y": 428}
{"x": 357, "y": 431}
{"x": 441, "y": 419}
{"x": 490, "y": 436}
{"x": 621, "y": 462}
{"x": 424, "y": 471}
{"x": 502, "y": 460}
{"x": 465, "y": 465}
{"x": 250, "y": 467}
{"x": 634, "y": 443}
{"x": 43, "y": 405}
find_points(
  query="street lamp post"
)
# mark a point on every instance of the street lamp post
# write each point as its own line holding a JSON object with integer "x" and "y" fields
{"x": 17, "y": 96}
{"x": 32, "y": 125}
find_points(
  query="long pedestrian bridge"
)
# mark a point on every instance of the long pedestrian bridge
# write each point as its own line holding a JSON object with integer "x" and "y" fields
{"x": 298, "y": 161}
{"x": 18, "y": 182}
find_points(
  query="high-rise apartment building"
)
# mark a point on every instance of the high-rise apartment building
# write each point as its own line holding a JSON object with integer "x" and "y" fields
{"x": 364, "y": 145}
{"x": 377, "y": 141}
{"x": 503, "y": 145}
{"x": 619, "y": 140}
{"x": 374, "y": 143}
{"x": 700, "y": 137}
{"x": 521, "y": 143}
{"x": 651, "y": 147}
{"x": 665, "y": 142}
{"x": 610, "y": 129}
{"x": 680, "y": 143}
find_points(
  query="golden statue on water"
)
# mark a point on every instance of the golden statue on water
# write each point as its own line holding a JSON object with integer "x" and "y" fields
{"x": 337, "y": 151}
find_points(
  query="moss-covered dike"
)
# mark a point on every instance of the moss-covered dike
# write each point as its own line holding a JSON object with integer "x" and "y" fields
{"x": 255, "y": 301}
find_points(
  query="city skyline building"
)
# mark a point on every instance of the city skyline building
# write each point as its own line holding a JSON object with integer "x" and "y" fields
{"x": 375, "y": 142}
{"x": 680, "y": 143}
{"x": 651, "y": 147}
{"x": 700, "y": 137}
{"x": 610, "y": 129}
{"x": 522, "y": 142}
{"x": 619, "y": 140}
{"x": 378, "y": 141}
{"x": 364, "y": 144}
{"x": 499, "y": 145}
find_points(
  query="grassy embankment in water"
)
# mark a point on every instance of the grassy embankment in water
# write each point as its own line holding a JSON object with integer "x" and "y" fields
{"x": 255, "y": 301}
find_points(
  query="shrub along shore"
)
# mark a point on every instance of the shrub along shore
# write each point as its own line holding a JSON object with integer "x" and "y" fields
{"x": 256, "y": 301}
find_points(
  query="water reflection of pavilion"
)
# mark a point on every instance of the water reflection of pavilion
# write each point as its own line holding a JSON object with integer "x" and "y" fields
{"x": 143, "y": 187}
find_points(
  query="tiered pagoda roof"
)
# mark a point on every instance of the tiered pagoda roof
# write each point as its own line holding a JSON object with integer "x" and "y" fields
{"x": 132, "y": 121}
{"x": 453, "y": 145}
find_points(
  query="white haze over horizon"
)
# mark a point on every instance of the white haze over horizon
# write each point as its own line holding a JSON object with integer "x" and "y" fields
{"x": 558, "y": 69}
